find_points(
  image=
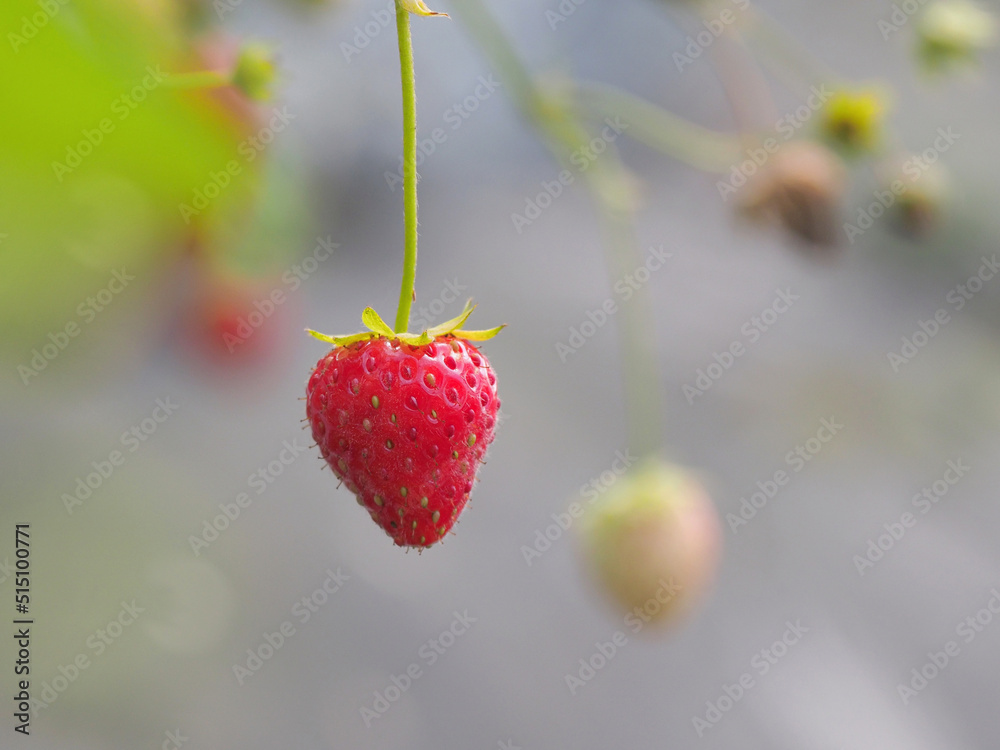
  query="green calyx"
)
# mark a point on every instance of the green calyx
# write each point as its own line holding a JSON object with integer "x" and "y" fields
{"x": 378, "y": 328}
{"x": 853, "y": 121}
{"x": 419, "y": 8}
{"x": 255, "y": 71}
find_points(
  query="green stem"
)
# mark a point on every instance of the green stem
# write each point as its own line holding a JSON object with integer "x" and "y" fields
{"x": 640, "y": 367}
{"x": 744, "y": 87}
{"x": 406, "y": 291}
{"x": 561, "y": 134}
{"x": 203, "y": 79}
{"x": 662, "y": 130}
{"x": 787, "y": 59}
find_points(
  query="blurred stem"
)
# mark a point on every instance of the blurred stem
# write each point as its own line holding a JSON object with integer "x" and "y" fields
{"x": 662, "y": 130}
{"x": 610, "y": 186}
{"x": 204, "y": 79}
{"x": 744, "y": 86}
{"x": 408, "y": 78}
{"x": 785, "y": 56}
{"x": 640, "y": 368}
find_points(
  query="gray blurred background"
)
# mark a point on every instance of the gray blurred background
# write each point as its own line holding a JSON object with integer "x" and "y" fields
{"x": 502, "y": 682}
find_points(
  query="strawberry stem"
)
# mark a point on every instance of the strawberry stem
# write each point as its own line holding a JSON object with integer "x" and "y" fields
{"x": 202, "y": 79}
{"x": 662, "y": 130}
{"x": 406, "y": 291}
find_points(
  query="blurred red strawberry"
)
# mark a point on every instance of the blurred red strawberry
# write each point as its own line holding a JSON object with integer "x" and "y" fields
{"x": 235, "y": 321}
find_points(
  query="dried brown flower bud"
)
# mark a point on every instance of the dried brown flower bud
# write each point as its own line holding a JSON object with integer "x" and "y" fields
{"x": 799, "y": 188}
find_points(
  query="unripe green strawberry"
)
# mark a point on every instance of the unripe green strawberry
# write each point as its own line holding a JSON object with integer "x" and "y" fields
{"x": 653, "y": 541}
{"x": 852, "y": 121}
{"x": 922, "y": 202}
{"x": 952, "y": 33}
{"x": 255, "y": 71}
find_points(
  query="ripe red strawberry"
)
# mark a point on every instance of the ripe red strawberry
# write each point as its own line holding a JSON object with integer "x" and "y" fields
{"x": 404, "y": 421}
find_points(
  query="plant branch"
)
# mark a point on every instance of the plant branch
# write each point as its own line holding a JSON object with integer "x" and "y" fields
{"x": 202, "y": 79}
{"x": 662, "y": 130}
{"x": 408, "y": 78}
